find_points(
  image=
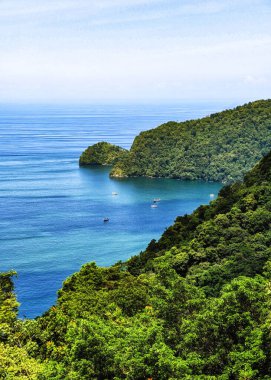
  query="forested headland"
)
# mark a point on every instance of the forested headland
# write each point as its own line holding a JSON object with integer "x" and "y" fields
{"x": 194, "y": 305}
{"x": 221, "y": 147}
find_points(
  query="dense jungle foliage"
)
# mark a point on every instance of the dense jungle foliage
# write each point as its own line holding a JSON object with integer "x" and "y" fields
{"x": 101, "y": 153}
{"x": 221, "y": 147}
{"x": 195, "y": 305}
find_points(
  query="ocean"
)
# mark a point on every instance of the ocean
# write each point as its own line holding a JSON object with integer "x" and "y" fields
{"x": 52, "y": 211}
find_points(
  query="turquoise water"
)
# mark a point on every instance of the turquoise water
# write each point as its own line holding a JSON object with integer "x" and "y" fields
{"x": 52, "y": 211}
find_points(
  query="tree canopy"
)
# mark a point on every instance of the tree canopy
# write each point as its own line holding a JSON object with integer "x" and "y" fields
{"x": 221, "y": 147}
{"x": 101, "y": 153}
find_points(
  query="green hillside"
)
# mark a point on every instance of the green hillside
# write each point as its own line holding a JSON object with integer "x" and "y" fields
{"x": 221, "y": 147}
{"x": 195, "y": 305}
{"x": 101, "y": 153}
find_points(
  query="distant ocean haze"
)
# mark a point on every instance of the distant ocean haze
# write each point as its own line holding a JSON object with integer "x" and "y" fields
{"x": 52, "y": 211}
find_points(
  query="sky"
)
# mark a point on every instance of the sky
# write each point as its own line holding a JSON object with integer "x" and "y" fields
{"x": 104, "y": 51}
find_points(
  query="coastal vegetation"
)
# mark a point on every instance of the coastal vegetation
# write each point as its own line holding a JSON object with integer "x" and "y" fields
{"x": 194, "y": 305}
{"x": 221, "y": 147}
{"x": 101, "y": 153}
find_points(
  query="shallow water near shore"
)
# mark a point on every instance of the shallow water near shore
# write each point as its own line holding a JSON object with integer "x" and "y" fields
{"x": 52, "y": 211}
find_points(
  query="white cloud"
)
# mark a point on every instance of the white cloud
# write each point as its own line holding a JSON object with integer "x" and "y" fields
{"x": 171, "y": 50}
{"x": 152, "y": 8}
{"x": 131, "y": 73}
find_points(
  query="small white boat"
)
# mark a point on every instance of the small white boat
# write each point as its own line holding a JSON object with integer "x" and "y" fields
{"x": 156, "y": 200}
{"x": 212, "y": 195}
{"x": 154, "y": 206}
{"x": 114, "y": 193}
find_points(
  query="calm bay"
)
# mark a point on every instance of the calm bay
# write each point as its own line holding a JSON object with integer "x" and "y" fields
{"x": 52, "y": 211}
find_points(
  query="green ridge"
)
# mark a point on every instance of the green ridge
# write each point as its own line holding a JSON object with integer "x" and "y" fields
{"x": 221, "y": 147}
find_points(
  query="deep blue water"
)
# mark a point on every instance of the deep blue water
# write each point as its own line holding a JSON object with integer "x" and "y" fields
{"x": 52, "y": 211}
